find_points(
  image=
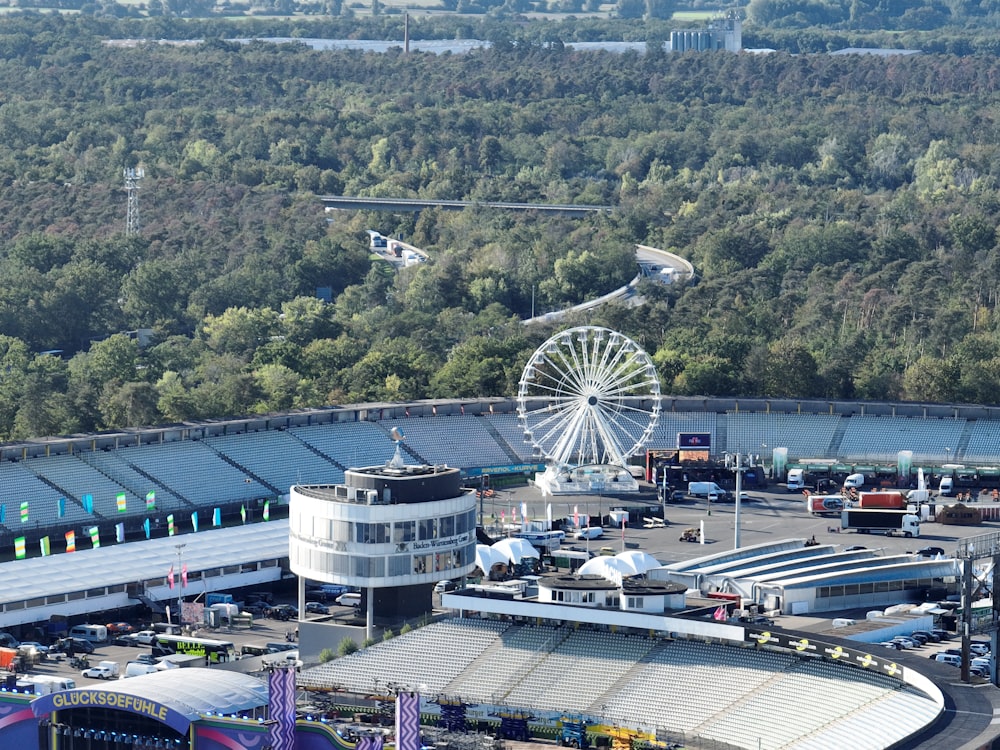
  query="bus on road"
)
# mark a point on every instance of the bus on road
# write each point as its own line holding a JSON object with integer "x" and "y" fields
{"x": 214, "y": 651}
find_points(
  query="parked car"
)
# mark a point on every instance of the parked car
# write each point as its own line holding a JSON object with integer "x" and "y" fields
{"x": 979, "y": 648}
{"x": 35, "y": 645}
{"x": 317, "y": 608}
{"x": 76, "y": 646}
{"x": 943, "y": 635}
{"x": 145, "y": 659}
{"x": 442, "y": 586}
{"x": 119, "y": 628}
{"x": 919, "y": 638}
{"x": 905, "y": 642}
{"x": 283, "y": 612}
{"x": 930, "y": 552}
{"x": 103, "y": 671}
{"x": 930, "y": 636}
{"x": 144, "y": 637}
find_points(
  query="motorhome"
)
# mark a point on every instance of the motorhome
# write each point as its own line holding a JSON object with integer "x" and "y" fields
{"x": 92, "y": 633}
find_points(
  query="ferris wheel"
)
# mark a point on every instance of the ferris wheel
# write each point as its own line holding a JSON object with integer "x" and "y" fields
{"x": 588, "y": 395}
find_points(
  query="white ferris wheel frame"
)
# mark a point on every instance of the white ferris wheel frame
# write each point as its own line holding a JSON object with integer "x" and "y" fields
{"x": 588, "y": 396}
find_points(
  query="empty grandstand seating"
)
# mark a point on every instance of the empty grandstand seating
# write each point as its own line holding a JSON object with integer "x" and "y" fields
{"x": 112, "y": 465}
{"x": 350, "y": 444}
{"x": 278, "y": 458}
{"x": 76, "y": 479}
{"x": 221, "y": 469}
{"x": 195, "y": 472}
{"x": 20, "y": 484}
{"x": 881, "y": 438}
{"x": 728, "y": 694}
{"x": 452, "y": 440}
{"x": 810, "y": 434}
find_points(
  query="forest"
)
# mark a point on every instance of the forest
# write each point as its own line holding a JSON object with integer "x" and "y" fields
{"x": 840, "y": 210}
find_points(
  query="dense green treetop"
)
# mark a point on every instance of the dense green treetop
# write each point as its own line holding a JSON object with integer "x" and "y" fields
{"x": 841, "y": 212}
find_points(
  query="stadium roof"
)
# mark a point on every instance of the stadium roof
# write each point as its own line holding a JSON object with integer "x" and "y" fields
{"x": 138, "y": 561}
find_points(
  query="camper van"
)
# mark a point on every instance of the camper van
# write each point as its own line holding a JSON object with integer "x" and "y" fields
{"x": 92, "y": 633}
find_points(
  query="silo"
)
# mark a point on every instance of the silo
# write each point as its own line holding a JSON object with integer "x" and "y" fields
{"x": 676, "y": 41}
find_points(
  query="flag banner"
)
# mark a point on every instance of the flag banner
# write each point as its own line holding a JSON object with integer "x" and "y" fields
{"x": 19, "y": 551}
{"x": 44, "y": 546}
{"x": 281, "y": 689}
{"x": 720, "y": 613}
{"x": 145, "y": 527}
{"x": 3, "y": 513}
{"x": 24, "y": 511}
{"x": 61, "y": 507}
{"x": 70, "y": 541}
{"x": 95, "y": 537}
{"x": 243, "y": 513}
{"x": 576, "y": 516}
{"x": 184, "y": 575}
{"x": 88, "y": 503}
{"x": 407, "y": 721}
{"x": 119, "y": 532}
{"x": 170, "y": 577}
{"x": 217, "y": 517}
{"x": 122, "y": 502}
{"x": 267, "y": 510}
{"x": 170, "y": 525}
{"x": 194, "y": 521}
{"x": 524, "y": 511}
{"x": 150, "y": 500}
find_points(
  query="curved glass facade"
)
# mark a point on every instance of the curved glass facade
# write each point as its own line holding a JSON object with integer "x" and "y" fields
{"x": 380, "y": 545}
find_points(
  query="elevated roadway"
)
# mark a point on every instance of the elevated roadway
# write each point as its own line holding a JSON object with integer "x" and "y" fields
{"x": 413, "y": 205}
{"x": 664, "y": 266}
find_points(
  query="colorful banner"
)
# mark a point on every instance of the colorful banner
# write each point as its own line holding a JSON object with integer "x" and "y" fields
{"x": 61, "y": 507}
{"x": 184, "y": 575}
{"x": 19, "y": 551}
{"x": 150, "y": 500}
{"x": 119, "y": 532}
{"x": 170, "y": 577}
{"x": 267, "y": 510}
{"x": 407, "y": 721}
{"x": 3, "y": 513}
{"x": 170, "y": 525}
{"x": 88, "y": 503}
{"x": 70, "y": 541}
{"x": 281, "y": 707}
{"x": 243, "y": 513}
{"x": 122, "y": 502}
{"x": 24, "y": 511}
{"x": 217, "y": 517}
{"x": 145, "y": 527}
{"x": 44, "y": 546}
{"x": 95, "y": 536}
{"x": 194, "y": 521}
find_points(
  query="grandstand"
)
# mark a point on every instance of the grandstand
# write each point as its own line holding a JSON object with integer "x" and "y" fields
{"x": 724, "y": 692}
{"x": 203, "y": 466}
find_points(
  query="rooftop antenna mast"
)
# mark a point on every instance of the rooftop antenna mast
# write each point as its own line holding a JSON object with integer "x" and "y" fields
{"x": 132, "y": 177}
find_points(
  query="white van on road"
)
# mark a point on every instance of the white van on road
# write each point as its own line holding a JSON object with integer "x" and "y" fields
{"x": 590, "y": 532}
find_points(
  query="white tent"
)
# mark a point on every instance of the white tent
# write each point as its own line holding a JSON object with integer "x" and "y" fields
{"x": 487, "y": 557}
{"x": 638, "y": 561}
{"x": 515, "y": 550}
{"x": 610, "y": 568}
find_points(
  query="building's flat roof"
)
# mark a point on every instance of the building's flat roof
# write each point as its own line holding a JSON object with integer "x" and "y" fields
{"x": 127, "y": 563}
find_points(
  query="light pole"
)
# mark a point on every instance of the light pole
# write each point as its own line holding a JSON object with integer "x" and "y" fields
{"x": 180, "y": 584}
{"x": 739, "y": 491}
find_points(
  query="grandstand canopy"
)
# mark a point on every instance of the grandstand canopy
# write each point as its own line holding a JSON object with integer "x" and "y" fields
{"x": 120, "y": 564}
